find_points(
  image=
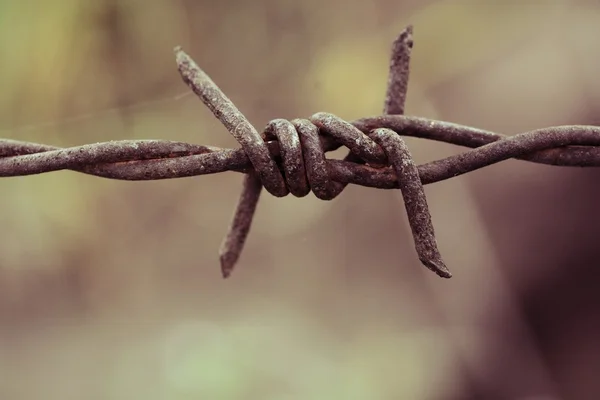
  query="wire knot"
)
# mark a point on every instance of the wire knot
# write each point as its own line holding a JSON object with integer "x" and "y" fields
{"x": 302, "y": 166}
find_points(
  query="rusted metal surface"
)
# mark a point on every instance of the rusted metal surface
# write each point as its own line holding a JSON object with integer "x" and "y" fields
{"x": 289, "y": 156}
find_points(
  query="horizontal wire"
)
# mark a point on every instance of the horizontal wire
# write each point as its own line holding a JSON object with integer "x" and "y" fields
{"x": 569, "y": 145}
{"x": 289, "y": 156}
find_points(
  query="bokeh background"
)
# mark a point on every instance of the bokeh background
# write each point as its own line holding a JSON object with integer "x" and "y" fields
{"x": 112, "y": 290}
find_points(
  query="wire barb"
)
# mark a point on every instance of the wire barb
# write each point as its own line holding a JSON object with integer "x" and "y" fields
{"x": 289, "y": 156}
{"x": 232, "y": 245}
{"x": 397, "y": 87}
{"x": 402, "y": 163}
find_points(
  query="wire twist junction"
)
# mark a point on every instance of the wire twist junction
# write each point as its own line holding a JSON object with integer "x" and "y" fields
{"x": 289, "y": 156}
{"x": 301, "y": 165}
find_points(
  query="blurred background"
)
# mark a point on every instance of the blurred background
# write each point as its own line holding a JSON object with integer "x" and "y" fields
{"x": 112, "y": 290}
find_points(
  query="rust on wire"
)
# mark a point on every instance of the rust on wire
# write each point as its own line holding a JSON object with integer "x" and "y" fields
{"x": 289, "y": 156}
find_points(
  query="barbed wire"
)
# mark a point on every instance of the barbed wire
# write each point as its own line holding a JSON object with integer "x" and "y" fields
{"x": 289, "y": 156}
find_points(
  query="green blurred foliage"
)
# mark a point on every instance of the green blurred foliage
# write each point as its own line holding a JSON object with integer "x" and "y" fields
{"x": 113, "y": 268}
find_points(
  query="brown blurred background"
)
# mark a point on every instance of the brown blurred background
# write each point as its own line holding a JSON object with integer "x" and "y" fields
{"x": 112, "y": 290}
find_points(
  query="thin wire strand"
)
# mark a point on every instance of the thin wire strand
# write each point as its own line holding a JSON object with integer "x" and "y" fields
{"x": 95, "y": 114}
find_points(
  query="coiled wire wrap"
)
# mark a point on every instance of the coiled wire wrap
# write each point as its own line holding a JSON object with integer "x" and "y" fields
{"x": 302, "y": 165}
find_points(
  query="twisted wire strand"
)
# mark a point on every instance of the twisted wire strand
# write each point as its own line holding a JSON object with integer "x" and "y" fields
{"x": 136, "y": 160}
{"x": 289, "y": 156}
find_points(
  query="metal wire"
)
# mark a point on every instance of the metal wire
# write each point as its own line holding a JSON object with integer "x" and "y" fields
{"x": 289, "y": 156}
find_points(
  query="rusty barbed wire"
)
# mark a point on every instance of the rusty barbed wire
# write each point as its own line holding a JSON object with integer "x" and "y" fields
{"x": 289, "y": 156}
